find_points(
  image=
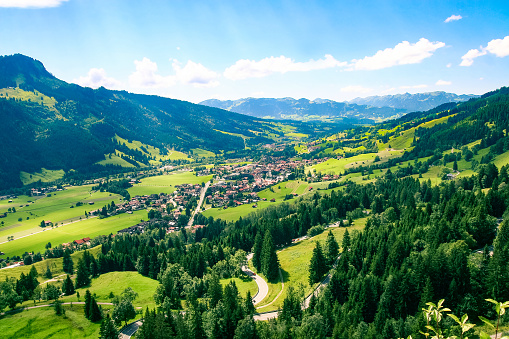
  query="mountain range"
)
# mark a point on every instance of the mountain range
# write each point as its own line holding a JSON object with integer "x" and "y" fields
{"x": 412, "y": 102}
{"x": 361, "y": 110}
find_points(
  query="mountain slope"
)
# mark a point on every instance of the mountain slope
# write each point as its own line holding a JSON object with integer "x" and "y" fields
{"x": 48, "y": 123}
{"x": 304, "y": 109}
{"x": 412, "y": 102}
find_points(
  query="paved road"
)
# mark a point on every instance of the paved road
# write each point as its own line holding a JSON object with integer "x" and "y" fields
{"x": 198, "y": 208}
{"x": 130, "y": 329}
{"x": 263, "y": 288}
{"x": 305, "y": 304}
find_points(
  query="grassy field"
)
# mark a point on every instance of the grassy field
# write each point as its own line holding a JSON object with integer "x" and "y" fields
{"x": 113, "y": 159}
{"x": 43, "y": 175}
{"x": 337, "y": 166}
{"x": 294, "y": 261}
{"x": 67, "y": 233}
{"x": 203, "y": 153}
{"x": 34, "y": 96}
{"x": 243, "y": 284}
{"x": 55, "y": 266}
{"x": 43, "y": 323}
{"x": 117, "y": 282}
{"x": 56, "y": 208}
{"x": 165, "y": 183}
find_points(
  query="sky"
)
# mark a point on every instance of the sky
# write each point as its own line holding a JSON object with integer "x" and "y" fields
{"x": 203, "y": 49}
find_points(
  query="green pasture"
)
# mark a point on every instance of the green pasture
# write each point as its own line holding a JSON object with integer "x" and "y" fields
{"x": 203, "y": 153}
{"x": 243, "y": 284}
{"x": 86, "y": 228}
{"x": 165, "y": 183}
{"x": 55, "y": 208}
{"x": 43, "y": 175}
{"x": 113, "y": 159}
{"x": 34, "y": 96}
{"x": 117, "y": 282}
{"x": 44, "y": 323}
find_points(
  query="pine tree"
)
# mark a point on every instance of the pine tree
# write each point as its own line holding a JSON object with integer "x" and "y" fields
{"x": 317, "y": 266}
{"x": 88, "y": 301}
{"x": 68, "y": 286}
{"x": 95, "y": 311}
{"x": 215, "y": 291}
{"x": 108, "y": 329}
{"x": 82, "y": 274}
{"x": 257, "y": 251}
{"x": 346, "y": 241}
{"x": 270, "y": 262}
{"x": 48, "y": 274}
{"x": 249, "y": 308}
{"x": 331, "y": 248}
{"x": 68, "y": 264}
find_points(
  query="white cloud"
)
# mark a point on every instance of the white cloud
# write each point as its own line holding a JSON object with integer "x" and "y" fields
{"x": 195, "y": 74}
{"x": 403, "y": 53}
{"x": 245, "y": 68}
{"x": 468, "y": 59}
{"x": 443, "y": 83}
{"x": 499, "y": 47}
{"x": 96, "y": 78}
{"x": 31, "y": 3}
{"x": 413, "y": 86}
{"x": 146, "y": 75}
{"x": 453, "y": 18}
{"x": 355, "y": 89}
{"x": 449, "y": 65}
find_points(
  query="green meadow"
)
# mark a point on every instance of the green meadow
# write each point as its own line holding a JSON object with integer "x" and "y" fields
{"x": 243, "y": 284}
{"x": 116, "y": 283}
{"x": 43, "y": 175}
{"x": 58, "y": 208}
{"x": 34, "y": 323}
{"x": 86, "y": 228}
{"x": 165, "y": 183}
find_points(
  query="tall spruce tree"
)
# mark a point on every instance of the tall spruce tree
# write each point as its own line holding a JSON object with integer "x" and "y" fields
{"x": 68, "y": 264}
{"x": 108, "y": 329}
{"x": 68, "y": 286}
{"x": 331, "y": 248}
{"x": 95, "y": 311}
{"x": 88, "y": 301}
{"x": 257, "y": 251}
{"x": 269, "y": 259}
{"x": 317, "y": 266}
{"x": 82, "y": 274}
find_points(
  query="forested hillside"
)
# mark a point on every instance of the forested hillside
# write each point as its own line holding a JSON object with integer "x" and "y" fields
{"x": 48, "y": 123}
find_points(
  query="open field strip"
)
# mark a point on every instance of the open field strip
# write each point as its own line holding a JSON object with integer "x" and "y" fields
{"x": 166, "y": 183}
{"x": 243, "y": 284}
{"x": 56, "y": 208}
{"x": 86, "y": 228}
{"x": 116, "y": 283}
{"x": 34, "y": 324}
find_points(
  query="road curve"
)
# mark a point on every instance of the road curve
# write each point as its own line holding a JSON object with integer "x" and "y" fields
{"x": 305, "y": 303}
{"x": 263, "y": 288}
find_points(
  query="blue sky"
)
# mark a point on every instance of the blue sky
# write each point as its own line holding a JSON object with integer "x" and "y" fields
{"x": 196, "y": 50}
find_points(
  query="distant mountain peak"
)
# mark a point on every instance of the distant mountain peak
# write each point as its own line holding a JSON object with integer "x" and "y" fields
{"x": 413, "y": 102}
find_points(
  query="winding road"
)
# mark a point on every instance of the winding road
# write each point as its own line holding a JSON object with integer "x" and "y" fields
{"x": 263, "y": 287}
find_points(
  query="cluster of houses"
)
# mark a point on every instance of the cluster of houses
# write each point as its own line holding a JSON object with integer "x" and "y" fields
{"x": 37, "y": 192}
{"x": 77, "y": 244}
